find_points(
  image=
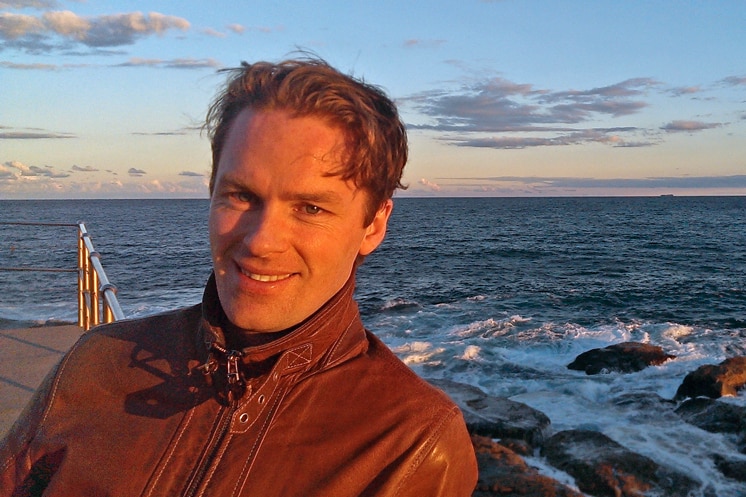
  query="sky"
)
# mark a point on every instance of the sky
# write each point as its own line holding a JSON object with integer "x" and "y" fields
{"x": 106, "y": 99}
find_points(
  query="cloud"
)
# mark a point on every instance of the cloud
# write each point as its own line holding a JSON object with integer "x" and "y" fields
{"x": 667, "y": 182}
{"x": 417, "y": 43}
{"x": 33, "y": 135}
{"x": 236, "y": 28}
{"x": 213, "y": 33}
{"x": 685, "y": 90}
{"x": 64, "y": 29}
{"x": 688, "y": 126}
{"x": 499, "y": 105}
{"x": 18, "y": 171}
{"x": 192, "y": 174}
{"x": 21, "y": 4}
{"x": 36, "y": 66}
{"x": 84, "y": 169}
{"x": 136, "y": 172}
{"x": 734, "y": 81}
{"x": 502, "y": 114}
{"x": 172, "y": 63}
{"x": 429, "y": 184}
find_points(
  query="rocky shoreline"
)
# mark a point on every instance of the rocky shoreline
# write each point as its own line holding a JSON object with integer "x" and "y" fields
{"x": 504, "y": 432}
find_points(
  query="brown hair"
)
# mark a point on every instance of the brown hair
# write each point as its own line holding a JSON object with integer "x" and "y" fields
{"x": 376, "y": 139}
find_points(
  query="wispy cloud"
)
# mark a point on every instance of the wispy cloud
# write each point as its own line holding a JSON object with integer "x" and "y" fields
{"x": 499, "y": 105}
{"x": 55, "y": 30}
{"x": 689, "y": 126}
{"x": 502, "y": 114}
{"x": 430, "y": 185}
{"x": 685, "y": 90}
{"x": 734, "y": 81}
{"x": 191, "y": 174}
{"x": 33, "y": 134}
{"x": 236, "y": 28}
{"x": 84, "y": 169}
{"x": 668, "y": 182}
{"x": 136, "y": 172}
{"x": 16, "y": 170}
{"x": 22, "y": 4}
{"x": 418, "y": 43}
{"x": 172, "y": 63}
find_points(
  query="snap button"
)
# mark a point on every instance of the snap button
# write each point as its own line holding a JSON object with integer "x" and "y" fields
{"x": 244, "y": 418}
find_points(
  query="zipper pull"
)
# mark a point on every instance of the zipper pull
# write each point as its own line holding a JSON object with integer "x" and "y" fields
{"x": 236, "y": 384}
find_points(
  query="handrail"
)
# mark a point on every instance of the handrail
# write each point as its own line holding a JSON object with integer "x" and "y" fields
{"x": 97, "y": 297}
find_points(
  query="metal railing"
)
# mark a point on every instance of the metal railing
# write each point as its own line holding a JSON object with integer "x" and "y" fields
{"x": 97, "y": 297}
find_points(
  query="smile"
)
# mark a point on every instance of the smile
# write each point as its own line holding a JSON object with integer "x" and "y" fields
{"x": 265, "y": 278}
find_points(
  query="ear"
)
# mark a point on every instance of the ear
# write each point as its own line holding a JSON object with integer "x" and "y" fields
{"x": 376, "y": 230}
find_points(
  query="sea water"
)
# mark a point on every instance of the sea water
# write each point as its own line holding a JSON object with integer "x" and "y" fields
{"x": 500, "y": 293}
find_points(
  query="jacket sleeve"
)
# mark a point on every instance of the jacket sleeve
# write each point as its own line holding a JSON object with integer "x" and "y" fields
{"x": 23, "y": 471}
{"x": 448, "y": 468}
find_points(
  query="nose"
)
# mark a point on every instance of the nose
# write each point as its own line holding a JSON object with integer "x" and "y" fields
{"x": 267, "y": 233}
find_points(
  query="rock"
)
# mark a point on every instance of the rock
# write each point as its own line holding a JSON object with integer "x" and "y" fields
{"x": 602, "y": 467}
{"x": 734, "y": 469}
{"x": 627, "y": 357}
{"x": 713, "y": 416}
{"x": 496, "y": 417}
{"x": 503, "y": 472}
{"x": 714, "y": 381}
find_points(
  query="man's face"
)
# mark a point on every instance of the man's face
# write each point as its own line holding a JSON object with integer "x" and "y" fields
{"x": 284, "y": 234}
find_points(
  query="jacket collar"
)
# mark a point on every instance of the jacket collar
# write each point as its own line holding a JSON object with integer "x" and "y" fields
{"x": 331, "y": 335}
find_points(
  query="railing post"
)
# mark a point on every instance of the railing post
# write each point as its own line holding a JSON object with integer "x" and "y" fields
{"x": 82, "y": 321}
{"x": 93, "y": 284}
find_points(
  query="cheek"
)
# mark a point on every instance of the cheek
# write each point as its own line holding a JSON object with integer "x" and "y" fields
{"x": 222, "y": 231}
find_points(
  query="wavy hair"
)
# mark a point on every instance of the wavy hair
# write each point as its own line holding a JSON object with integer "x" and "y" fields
{"x": 376, "y": 141}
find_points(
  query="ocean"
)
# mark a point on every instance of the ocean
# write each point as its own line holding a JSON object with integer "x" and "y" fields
{"x": 500, "y": 293}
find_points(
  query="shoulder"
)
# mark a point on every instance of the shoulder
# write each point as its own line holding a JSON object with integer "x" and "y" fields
{"x": 382, "y": 384}
{"x": 117, "y": 344}
{"x": 176, "y": 322}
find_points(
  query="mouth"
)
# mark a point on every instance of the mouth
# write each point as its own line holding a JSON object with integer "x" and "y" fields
{"x": 265, "y": 278}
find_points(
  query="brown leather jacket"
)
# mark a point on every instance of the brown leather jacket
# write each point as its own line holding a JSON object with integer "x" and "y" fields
{"x": 159, "y": 407}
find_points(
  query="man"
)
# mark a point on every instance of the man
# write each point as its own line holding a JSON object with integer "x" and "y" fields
{"x": 270, "y": 387}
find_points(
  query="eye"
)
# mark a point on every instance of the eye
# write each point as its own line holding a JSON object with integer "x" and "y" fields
{"x": 244, "y": 197}
{"x": 312, "y": 209}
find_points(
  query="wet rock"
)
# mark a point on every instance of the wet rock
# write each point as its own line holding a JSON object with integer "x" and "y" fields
{"x": 503, "y": 472}
{"x": 602, "y": 467}
{"x": 714, "y": 381}
{"x": 627, "y": 357}
{"x": 734, "y": 469}
{"x": 713, "y": 416}
{"x": 496, "y": 417}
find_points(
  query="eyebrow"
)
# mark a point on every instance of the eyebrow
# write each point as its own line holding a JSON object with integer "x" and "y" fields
{"x": 320, "y": 197}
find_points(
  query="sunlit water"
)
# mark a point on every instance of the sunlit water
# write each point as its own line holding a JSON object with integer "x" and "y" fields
{"x": 497, "y": 293}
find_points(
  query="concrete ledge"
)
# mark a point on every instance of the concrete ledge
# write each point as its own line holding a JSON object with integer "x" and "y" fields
{"x": 26, "y": 356}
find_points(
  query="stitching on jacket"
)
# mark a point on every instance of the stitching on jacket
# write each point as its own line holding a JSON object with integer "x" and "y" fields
{"x": 240, "y": 408}
{"x": 333, "y": 348}
{"x": 52, "y": 395}
{"x": 437, "y": 432}
{"x": 171, "y": 453}
{"x": 254, "y": 449}
{"x": 299, "y": 356}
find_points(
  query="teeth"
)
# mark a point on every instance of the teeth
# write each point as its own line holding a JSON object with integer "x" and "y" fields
{"x": 265, "y": 278}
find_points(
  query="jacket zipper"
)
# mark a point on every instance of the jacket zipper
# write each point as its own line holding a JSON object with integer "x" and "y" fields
{"x": 235, "y": 390}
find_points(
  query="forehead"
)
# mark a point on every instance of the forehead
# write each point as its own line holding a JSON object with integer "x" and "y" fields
{"x": 297, "y": 148}
{"x": 280, "y": 134}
